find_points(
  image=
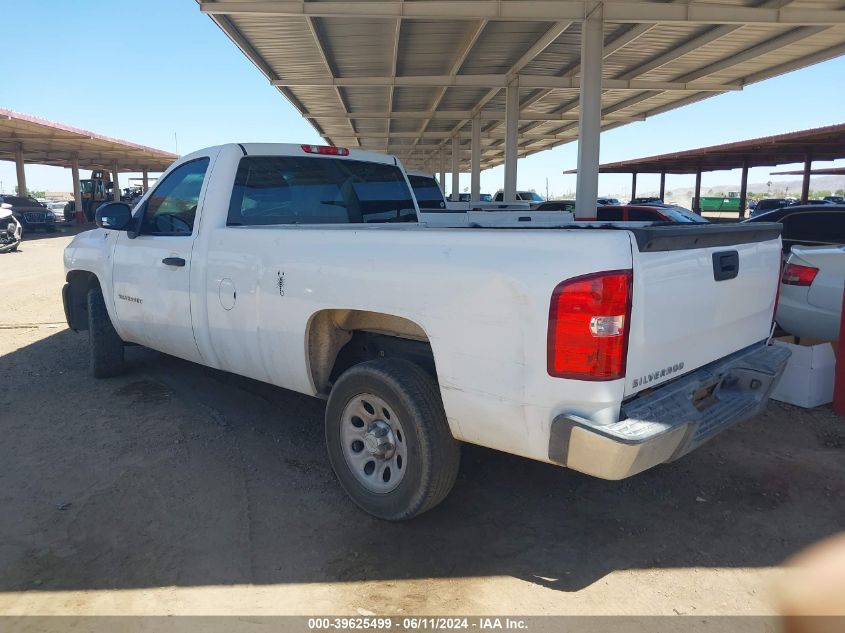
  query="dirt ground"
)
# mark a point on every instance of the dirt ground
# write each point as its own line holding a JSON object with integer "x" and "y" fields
{"x": 176, "y": 489}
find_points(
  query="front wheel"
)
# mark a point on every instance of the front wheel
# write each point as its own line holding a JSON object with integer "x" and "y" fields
{"x": 105, "y": 345}
{"x": 388, "y": 439}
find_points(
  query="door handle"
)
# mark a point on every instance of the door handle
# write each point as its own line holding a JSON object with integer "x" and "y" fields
{"x": 173, "y": 261}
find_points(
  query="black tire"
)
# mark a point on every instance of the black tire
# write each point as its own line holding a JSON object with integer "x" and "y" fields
{"x": 433, "y": 455}
{"x": 105, "y": 345}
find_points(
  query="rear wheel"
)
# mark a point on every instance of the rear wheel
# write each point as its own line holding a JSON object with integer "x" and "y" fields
{"x": 105, "y": 345}
{"x": 388, "y": 439}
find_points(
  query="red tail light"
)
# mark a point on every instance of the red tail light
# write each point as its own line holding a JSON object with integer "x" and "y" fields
{"x": 327, "y": 150}
{"x": 795, "y": 275}
{"x": 589, "y": 322}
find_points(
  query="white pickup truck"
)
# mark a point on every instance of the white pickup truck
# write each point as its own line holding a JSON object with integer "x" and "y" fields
{"x": 604, "y": 348}
{"x": 436, "y": 210}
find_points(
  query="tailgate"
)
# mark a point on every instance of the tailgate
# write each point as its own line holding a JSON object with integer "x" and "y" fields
{"x": 700, "y": 293}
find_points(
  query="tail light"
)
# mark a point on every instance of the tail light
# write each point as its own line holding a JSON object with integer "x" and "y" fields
{"x": 795, "y": 275}
{"x": 589, "y": 322}
{"x": 326, "y": 150}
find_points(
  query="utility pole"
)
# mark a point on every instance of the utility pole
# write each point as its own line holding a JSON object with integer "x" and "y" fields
{"x": 547, "y": 188}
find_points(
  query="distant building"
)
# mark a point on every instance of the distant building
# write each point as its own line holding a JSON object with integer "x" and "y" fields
{"x": 58, "y": 195}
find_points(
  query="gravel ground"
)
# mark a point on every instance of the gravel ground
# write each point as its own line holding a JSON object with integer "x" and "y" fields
{"x": 176, "y": 489}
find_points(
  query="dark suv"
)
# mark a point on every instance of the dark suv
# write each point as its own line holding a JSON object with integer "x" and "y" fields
{"x": 30, "y": 213}
{"x": 809, "y": 225}
{"x": 769, "y": 204}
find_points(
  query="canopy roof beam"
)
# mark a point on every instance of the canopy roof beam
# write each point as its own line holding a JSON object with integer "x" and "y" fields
{"x": 626, "y": 12}
{"x": 453, "y": 115}
{"x": 502, "y": 81}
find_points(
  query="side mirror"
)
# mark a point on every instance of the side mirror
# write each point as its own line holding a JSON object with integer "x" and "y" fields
{"x": 115, "y": 216}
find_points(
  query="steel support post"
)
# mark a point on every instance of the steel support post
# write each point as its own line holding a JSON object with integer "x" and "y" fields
{"x": 589, "y": 104}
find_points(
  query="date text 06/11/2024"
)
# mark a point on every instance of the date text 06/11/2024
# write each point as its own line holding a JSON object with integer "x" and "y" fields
{"x": 416, "y": 623}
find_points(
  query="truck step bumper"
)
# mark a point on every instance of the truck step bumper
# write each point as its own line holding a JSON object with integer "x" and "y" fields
{"x": 672, "y": 420}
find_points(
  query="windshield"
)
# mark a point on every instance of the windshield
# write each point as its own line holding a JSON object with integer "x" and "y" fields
{"x": 679, "y": 214}
{"x": 531, "y": 196}
{"x": 427, "y": 193}
{"x": 86, "y": 186}
{"x": 486, "y": 197}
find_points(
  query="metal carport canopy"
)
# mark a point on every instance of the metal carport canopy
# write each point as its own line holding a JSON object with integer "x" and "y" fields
{"x": 48, "y": 143}
{"x": 824, "y": 171}
{"x": 28, "y": 139}
{"x": 418, "y": 78}
{"x": 804, "y": 146}
{"x": 824, "y": 143}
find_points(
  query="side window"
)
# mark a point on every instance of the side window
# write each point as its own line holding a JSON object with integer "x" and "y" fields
{"x": 310, "y": 190}
{"x": 609, "y": 215}
{"x": 642, "y": 215}
{"x": 172, "y": 206}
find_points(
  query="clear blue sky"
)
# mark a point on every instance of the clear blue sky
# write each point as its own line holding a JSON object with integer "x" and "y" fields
{"x": 146, "y": 71}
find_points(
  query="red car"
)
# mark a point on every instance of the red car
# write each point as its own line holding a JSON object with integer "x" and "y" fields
{"x": 648, "y": 213}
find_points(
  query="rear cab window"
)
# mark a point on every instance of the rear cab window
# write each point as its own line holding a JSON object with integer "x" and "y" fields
{"x": 310, "y": 190}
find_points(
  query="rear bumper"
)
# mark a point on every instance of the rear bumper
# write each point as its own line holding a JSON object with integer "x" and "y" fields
{"x": 665, "y": 424}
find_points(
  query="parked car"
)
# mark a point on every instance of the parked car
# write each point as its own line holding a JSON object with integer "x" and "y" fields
{"x": 428, "y": 193}
{"x": 523, "y": 196}
{"x": 812, "y": 284}
{"x": 768, "y": 204}
{"x": 605, "y": 201}
{"x": 646, "y": 200}
{"x": 811, "y": 225}
{"x": 482, "y": 197}
{"x": 602, "y": 349}
{"x": 816, "y": 202}
{"x": 648, "y": 213}
{"x": 30, "y": 213}
{"x": 10, "y": 230}
{"x": 556, "y": 205}
{"x": 58, "y": 209}
{"x": 835, "y": 199}
{"x": 434, "y": 207}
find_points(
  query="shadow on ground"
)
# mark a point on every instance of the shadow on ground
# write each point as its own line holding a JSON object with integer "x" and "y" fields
{"x": 62, "y": 230}
{"x": 179, "y": 475}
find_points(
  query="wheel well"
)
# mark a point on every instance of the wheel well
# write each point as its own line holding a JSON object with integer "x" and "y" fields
{"x": 339, "y": 339}
{"x": 79, "y": 282}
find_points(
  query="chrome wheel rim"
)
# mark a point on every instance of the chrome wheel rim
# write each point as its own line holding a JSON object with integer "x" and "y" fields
{"x": 374, "y": 443}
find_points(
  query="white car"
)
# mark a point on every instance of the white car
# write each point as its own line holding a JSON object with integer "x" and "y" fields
{"x": 58, "y": 209}
{"x": 524, "y": 196}
{"x": 811, "y": 290}
{"x": 604, "y": 348}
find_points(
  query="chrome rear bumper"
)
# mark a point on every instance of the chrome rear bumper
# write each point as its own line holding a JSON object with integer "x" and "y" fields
{"x": 672, "y": 420}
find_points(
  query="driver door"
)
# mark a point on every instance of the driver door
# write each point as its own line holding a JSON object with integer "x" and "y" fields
{"x": 152, "y": 271}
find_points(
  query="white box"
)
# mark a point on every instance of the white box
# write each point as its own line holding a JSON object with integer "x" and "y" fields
{"x": 808, "y": 378}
